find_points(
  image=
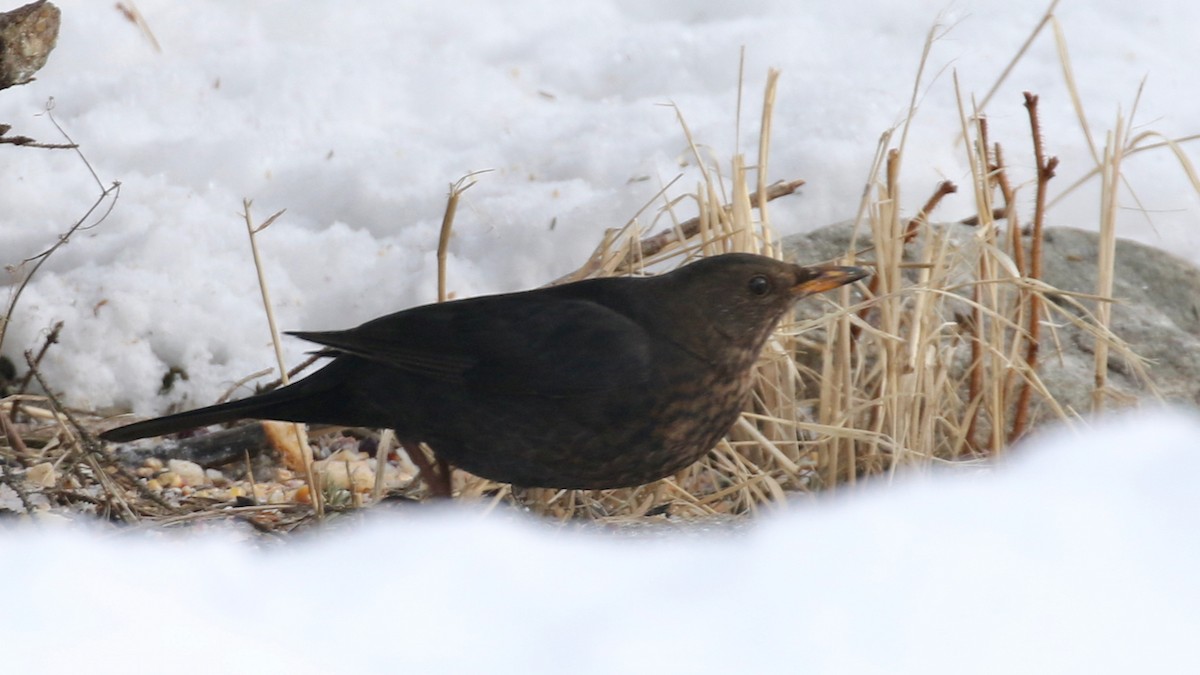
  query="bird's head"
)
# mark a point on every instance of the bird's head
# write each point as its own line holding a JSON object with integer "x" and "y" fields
{"x": 739, "y": 297}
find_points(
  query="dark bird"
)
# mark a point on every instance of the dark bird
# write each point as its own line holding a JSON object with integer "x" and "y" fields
{"x": 596, "y": 384}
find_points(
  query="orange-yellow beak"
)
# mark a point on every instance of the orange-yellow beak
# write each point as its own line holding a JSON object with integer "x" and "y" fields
{"x": 828, "y": 277}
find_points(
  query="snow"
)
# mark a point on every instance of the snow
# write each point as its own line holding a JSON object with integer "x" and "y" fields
{"x": 356, "y": 118}
{"x": 1077, "y": 556}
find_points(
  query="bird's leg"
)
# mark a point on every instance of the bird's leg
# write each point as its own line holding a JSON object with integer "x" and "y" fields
{"x": 435, "y": 474}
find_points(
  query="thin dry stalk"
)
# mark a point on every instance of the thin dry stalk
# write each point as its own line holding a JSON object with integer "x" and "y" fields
{"x": 456, "y": 189}
{"x": 241, "y": 382}
{"x": 250, "y": 478}
{"x": 51, "y": 339}
{"x": 114, "y": 192}
{"x": 764, "y": 145}
{"x": 988, "y": 300}
{"x": 301, "y": 434}
{"x": 131, "y": 13}
{"x": 386, "y": 439}
{"x": 1000, "y": 171}
{"x": 14, "y": 439}
{"x": 1109, "y": 204}
{"x": 1134, "y": 148}
{"x": 1064, "y": 59}
{"x": 1047, "y": 17}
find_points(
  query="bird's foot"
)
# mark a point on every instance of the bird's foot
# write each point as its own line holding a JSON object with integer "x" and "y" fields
{"x": 435, "y": 474}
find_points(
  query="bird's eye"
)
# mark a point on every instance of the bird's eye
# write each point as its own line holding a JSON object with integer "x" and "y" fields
{"x": 760, "y": 284}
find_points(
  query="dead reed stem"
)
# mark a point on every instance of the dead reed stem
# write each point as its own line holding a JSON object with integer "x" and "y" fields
{"x": 252, "y": 231}
{"x": 456, "y": 189}
{"x": 1110, "y": 179}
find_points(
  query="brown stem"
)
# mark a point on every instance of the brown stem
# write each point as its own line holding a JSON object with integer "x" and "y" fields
{"x": 997, "y": 214}
{"x": 20, "y": 450}
{"x": 1045, "y": 171}
{"x": 975, "y": 376}
{"x": 278, "y": 382}
{"x": 51, "y": 338}
{"x": 944, "y": 188}
{"x": 691, "y": 227}
{"x": 1000, "y": 171}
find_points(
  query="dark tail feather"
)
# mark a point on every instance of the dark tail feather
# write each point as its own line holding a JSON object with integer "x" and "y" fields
{"x": 272, "y": 405}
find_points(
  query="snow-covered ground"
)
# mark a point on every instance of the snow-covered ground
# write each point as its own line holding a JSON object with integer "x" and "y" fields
{"x": 1078, "y": 557}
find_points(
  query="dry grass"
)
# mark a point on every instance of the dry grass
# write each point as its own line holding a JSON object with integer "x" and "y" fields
{"x": 936, "y": 361}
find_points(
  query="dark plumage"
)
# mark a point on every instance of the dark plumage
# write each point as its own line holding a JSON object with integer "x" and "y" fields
{"x": 602, "y": 383}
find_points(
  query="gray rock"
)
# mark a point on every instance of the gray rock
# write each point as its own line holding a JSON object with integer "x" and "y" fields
{"x": 1157, "y": 313}
{"x": 27, "y": 36}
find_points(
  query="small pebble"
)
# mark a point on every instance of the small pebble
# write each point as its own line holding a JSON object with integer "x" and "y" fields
{"x": 190, "y": 473}
{"x": 42, "y": 475}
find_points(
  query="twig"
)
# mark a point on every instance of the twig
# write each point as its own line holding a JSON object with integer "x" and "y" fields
{"x": 242, "y": 382}
{"x": 14, "y": 484}
{"x": 92, "y": 455}
{"x": 114, "y": 189}
{"x": 51, "y": 338}
{"x": 1045, "y": 171}
{"x": 277, "y": 382}
{"x": 691, "y": 227}
{"x": 27, "y": 142}
{"x": 974, "y": 219}
{"x": 944, "y": 188}
{"x": 300, "y": 367}
{"x": 48, "y": 110}
{"x": 23, "y": 386}
{"x": 41, "y": 258}
{"x": 14, "y": 439}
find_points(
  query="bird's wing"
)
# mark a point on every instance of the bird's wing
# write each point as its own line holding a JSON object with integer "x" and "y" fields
{"x": 548, "y": 346}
